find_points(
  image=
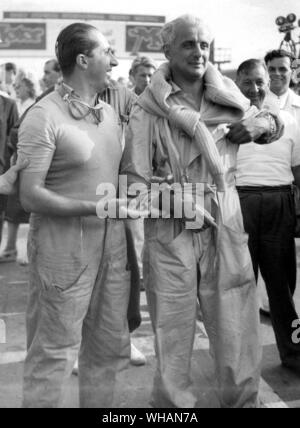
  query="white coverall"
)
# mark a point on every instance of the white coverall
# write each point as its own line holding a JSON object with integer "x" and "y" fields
{"x": 78, "y": 279}
{"x": 171, "y": 254}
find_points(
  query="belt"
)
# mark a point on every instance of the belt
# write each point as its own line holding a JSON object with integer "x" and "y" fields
{"x": 270, "y": 189}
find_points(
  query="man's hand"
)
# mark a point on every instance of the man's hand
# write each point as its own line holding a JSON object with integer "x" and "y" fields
{"x": 8, "y": 181}
{"x": 169, "y": 179}
{"x": 248, "y": 130}
{"x": 208, "y": 220}
{"x": 199, "y": 214}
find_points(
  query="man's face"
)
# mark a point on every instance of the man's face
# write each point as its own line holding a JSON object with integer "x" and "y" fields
{"x": 142, "y": 78}
{"x": 254, "y": 84}
{"x": 189, "y": 54}
{"x": 100, "y": 63}
{"x": 51, "y": 76}
{"x": 280, "y": 73}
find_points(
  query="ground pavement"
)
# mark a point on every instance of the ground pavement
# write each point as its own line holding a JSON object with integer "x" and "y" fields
{"x": 279, "y": 387}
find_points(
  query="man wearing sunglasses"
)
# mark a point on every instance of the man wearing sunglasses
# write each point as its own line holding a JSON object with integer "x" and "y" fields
{"x": 79, "y": 282}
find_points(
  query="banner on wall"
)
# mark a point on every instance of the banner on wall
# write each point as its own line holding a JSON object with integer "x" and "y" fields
{"x": 85, "y": 16}
{"x": 128, "y": 35}
{"x": 18, "y": 36}
{"x": 143, "y": 38}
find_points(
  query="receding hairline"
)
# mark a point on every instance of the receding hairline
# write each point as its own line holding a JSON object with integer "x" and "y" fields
{"x": 100, "y": 38}
{"x": 247, "y": 66}
{"x": 170, "y": 29}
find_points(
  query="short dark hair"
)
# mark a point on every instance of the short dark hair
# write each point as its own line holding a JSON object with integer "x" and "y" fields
{"x": 249, "y": 65}
{"x": 141, "y": 61}
{"x": 55, "y": 64}
{"x": 279, "y": 53}
{"x": 74, "y": 40}
{"x": 10, "y": 66}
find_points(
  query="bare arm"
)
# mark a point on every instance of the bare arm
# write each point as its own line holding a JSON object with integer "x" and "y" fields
{"x": 247, "y": 130}
{"x": 262, "y": 129}
{"x": 35, "y": 197}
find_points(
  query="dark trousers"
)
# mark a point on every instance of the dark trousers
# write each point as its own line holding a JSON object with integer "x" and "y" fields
{"x": 269, "y": 220}
{"x": 3, "y": 201}
{"x": 1, "y": 225}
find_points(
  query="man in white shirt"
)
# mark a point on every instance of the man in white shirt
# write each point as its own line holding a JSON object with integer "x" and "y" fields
{"x": 264, "y": 180}
{"x": 279, "y": 65}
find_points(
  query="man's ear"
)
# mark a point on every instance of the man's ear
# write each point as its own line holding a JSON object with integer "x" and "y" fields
{"x": 81, "y": 61}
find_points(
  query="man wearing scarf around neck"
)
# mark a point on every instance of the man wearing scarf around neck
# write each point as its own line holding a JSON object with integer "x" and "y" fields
{"x": 188, "y": 124}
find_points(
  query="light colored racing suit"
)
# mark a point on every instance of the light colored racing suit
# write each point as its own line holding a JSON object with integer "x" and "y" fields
{"x": 78, "y": 278}
{"x": 172, "y": 253}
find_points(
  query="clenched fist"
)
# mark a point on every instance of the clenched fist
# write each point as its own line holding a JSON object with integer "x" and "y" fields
{"x": 248, "y": 130}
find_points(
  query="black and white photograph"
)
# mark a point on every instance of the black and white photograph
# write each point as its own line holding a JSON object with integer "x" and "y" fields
{"x": 150, "y": 207}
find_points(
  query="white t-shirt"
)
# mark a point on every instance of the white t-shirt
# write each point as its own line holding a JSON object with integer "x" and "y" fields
{"x": 280, "y": 101}
{"x": 270, "y": 164}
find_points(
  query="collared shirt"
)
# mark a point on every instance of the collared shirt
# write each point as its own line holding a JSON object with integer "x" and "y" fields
{"x": 147, "y": 155}
{"x": 279, "y": 100}
{"x": 121, "y": 99}
{"x": 185, "y": 146}
{"x": 289, "y": 102}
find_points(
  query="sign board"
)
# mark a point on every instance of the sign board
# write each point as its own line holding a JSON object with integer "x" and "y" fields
{"x": 128, "y": 35}
{"x": 143, "y": 38}
{"x": 74, "y": 16}
{"x": 21, "y": 35}
{"x": 113, "y": 31}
